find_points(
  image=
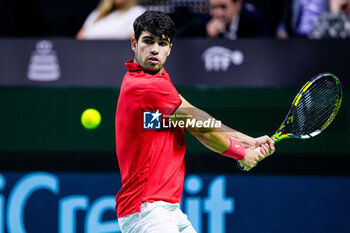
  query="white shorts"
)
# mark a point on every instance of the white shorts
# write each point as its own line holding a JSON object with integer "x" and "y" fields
{"x": 157, "y": 217}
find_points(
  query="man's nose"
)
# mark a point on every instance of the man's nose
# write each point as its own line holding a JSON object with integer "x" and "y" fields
{"x": 155, "y": 49}
{"x": 216, "y": 12}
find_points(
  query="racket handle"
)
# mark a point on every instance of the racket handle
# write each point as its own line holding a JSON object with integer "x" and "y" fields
{"x": 240, "y": 166}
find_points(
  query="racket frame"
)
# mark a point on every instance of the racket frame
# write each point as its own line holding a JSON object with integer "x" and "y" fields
{"x": 280, "y": 134}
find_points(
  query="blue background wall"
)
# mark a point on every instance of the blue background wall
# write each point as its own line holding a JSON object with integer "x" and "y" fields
{"x": 84, "y": 202}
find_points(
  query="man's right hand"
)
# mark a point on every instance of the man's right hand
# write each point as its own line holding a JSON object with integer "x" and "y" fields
{"x": 215, "y": 27}
{"x": 253, "y": 157}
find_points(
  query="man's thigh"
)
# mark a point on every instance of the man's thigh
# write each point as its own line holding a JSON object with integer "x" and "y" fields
{"x": 157, "y": 218}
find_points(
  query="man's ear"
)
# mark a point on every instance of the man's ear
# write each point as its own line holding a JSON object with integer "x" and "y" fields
{"x": 170, "y": 46}
{"x": 239, "y": 5}
{"x": 133, "y": 43}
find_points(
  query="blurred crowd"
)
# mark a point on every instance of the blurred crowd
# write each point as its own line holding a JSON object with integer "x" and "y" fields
{"x": 226, "y": 19}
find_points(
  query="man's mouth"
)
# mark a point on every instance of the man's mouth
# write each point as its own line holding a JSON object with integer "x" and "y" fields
{"x": 153, "y": 60}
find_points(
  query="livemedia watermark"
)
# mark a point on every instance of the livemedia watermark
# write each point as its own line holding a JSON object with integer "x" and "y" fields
{"x": 157, "y": 120}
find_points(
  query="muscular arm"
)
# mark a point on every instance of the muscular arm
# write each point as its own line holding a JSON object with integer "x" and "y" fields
{"x": 247, "y": 141}
{"x": 218, "y": 139}
{"x": 213, "y": 138}
{"x": 244, "y": 139}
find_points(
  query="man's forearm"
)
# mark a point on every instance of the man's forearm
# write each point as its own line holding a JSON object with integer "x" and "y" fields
{"x": 216, "y": 139}
{"x": 245, "y": 140}
{"x": 213, "y": 138}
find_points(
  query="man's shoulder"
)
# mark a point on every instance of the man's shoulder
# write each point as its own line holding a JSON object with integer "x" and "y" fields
{"x": 251, "y": 22}
{"x": 249, "y": 12}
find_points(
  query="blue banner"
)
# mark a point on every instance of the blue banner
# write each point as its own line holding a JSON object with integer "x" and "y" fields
{"x": 84, "y": 202}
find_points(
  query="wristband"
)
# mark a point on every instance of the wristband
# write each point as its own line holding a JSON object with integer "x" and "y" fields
{"x": 235, "y": 151}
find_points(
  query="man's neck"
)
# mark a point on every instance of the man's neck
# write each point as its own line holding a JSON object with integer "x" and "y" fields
{"x": 147, "y": 71}
{"x": 232, "y": 28}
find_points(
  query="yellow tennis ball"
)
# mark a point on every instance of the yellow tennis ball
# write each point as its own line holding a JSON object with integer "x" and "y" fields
{"x": 90, "y": 118}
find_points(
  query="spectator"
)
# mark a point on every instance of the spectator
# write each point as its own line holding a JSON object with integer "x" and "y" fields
{"x": 112, "y": 19}
{"x": 299, "y": 17}
{"x": 230, "y": 19}
{"x": 335, "y": 23}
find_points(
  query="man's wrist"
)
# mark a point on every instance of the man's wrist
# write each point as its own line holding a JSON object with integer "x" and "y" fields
{"x": 235, "y": 151}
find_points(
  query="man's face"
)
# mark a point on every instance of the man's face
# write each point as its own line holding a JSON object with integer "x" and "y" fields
{"x": 344, "y": 6}
{"x": 151, "y": 51}
{"x": 339, "y": 6}
{"x": 224, "y": 10}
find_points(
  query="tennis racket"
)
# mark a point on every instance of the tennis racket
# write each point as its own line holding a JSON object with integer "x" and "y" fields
{"x": 312, "y": 110}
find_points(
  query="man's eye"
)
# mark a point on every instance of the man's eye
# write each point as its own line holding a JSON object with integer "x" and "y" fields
{"x": 163, "y": 43}
{"x": 148, "y": 41}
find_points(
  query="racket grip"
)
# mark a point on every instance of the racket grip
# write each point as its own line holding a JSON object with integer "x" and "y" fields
{"x": 240, "y": 166}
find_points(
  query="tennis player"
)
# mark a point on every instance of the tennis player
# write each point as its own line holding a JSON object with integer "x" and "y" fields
{"x": 151, "y": 161}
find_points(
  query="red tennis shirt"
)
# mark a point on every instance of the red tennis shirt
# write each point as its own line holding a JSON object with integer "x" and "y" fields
{"x": 151, "y": 161}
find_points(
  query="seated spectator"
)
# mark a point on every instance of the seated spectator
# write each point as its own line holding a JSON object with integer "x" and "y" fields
{"x": 230, "y": 19}
{"x": 299, "y": 17}
{"x": 335, "y": 23}
{"x": 113, "y": 19}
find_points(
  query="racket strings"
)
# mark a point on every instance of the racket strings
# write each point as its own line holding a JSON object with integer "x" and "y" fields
{"x": 325, "y": 102}
{"x": 315, "y": 106}
{"x": 318, "y": 112}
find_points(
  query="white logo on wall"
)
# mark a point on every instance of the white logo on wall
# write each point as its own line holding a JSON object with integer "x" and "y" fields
{"x": 43, "y": 65}
{"x": 217, "y": 58}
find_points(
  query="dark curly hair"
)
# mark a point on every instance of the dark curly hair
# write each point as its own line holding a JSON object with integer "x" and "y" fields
{"x": 155, "y": 22}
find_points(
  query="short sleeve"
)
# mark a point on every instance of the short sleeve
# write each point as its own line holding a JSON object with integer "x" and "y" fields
{"x": 161, "y": 96}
